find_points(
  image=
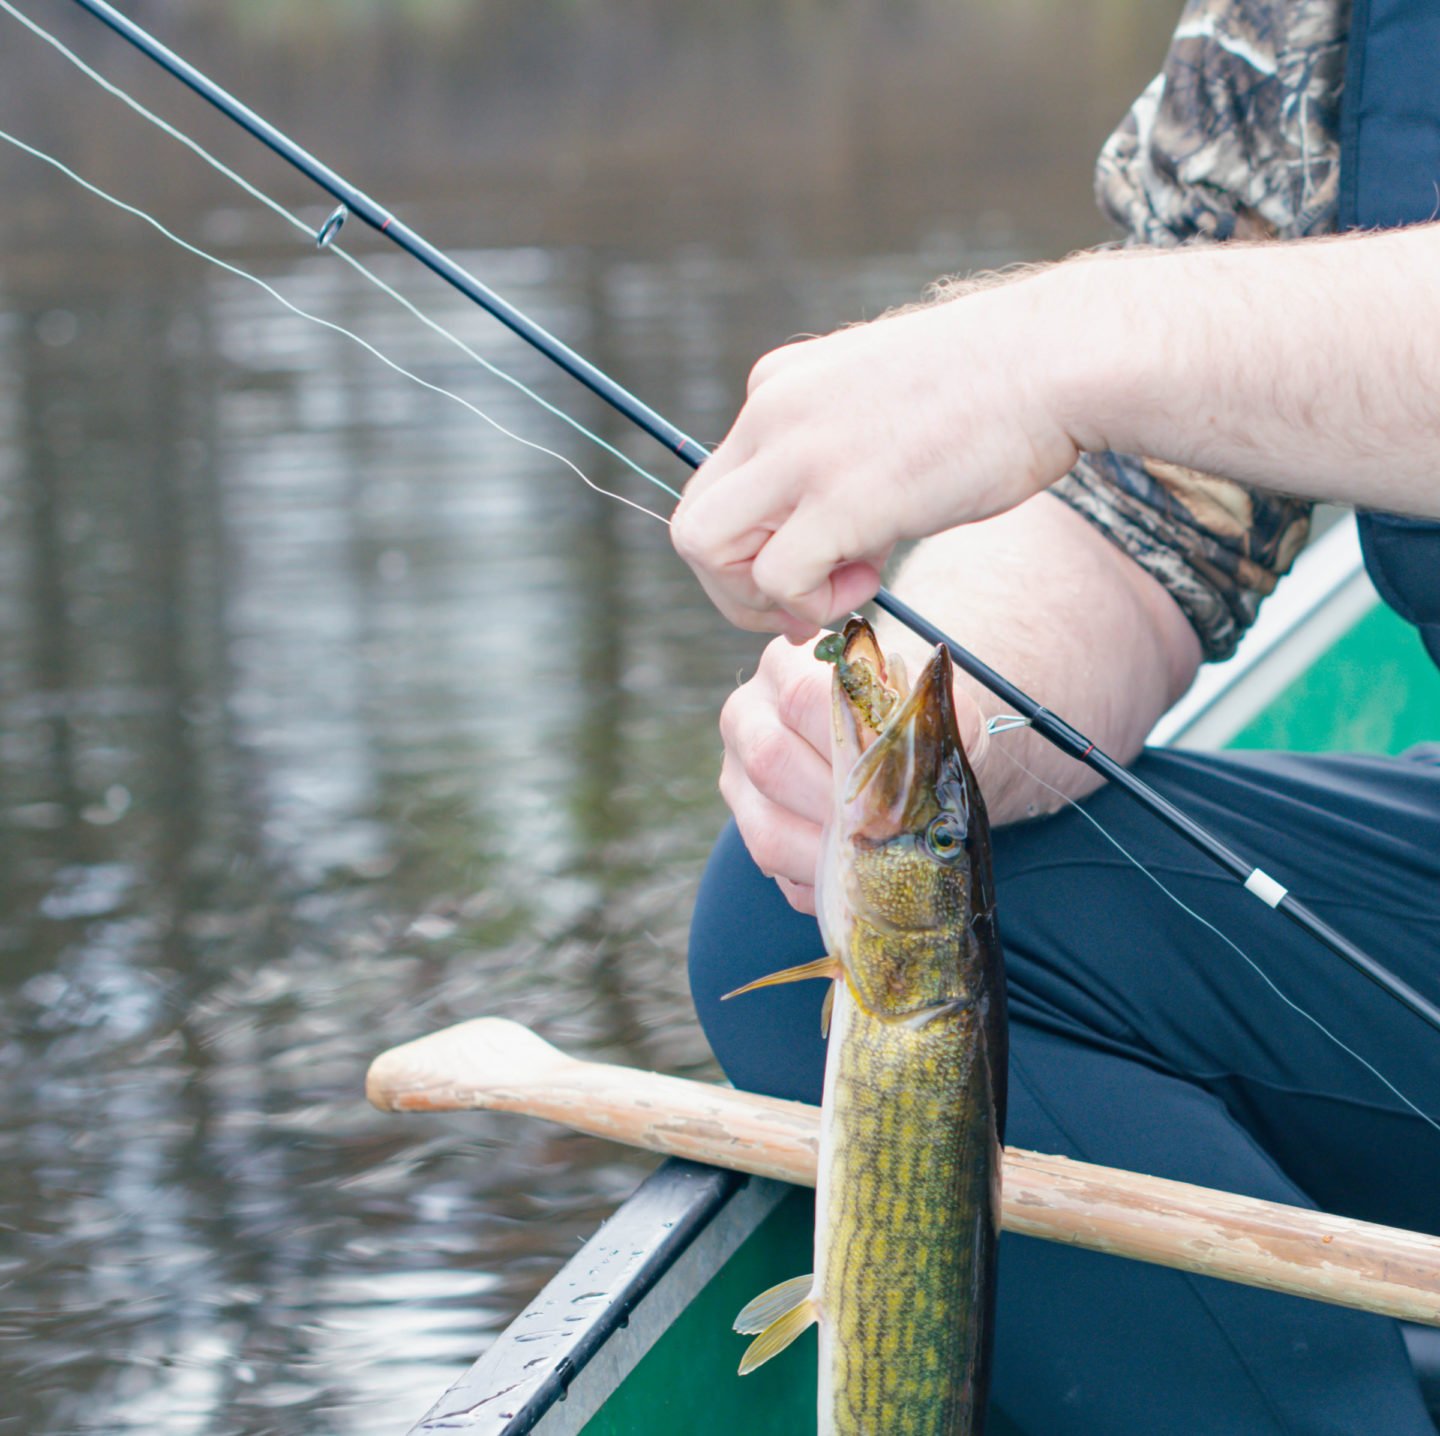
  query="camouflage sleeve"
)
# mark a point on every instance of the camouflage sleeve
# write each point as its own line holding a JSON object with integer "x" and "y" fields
{"x": 1218, "y": 546}
{"x": 1236, "y": 138}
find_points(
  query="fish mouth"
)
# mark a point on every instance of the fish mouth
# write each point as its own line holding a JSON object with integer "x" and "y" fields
{"x": 865, "y": 693}
{"x": 913, "y": 768}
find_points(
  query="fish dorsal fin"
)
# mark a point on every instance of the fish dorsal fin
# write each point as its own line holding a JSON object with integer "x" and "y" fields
{"x": 779, "y": 1315}
{"x": 827, "y": 1010}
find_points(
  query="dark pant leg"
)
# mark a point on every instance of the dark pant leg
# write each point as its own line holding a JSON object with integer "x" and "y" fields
{"x": 1140, "y": 1040}
{"x": 1153, "y": 1045}
{"x": 1097, "y": 954}
{"x": 1091, "y": 1345}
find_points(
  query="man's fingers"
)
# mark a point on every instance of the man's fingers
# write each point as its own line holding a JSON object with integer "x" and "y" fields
{"x": 724, "y": 566}
{"x": 849, "y": 587}
{"x": 728, "y": 510}
{"x": 781, "y": 844}
{"x": 784, "y": 768}
{"x": 810, "y": 569}
{"x": 768, "y": 566}
{"x": 772, "y": 733}
{"x": 791, "y": 687}
{"x": 719, "y": 530}
{"x": 743, "y": 604}
{"x": 800, "y": 687}
{"x": 800, "y": 896}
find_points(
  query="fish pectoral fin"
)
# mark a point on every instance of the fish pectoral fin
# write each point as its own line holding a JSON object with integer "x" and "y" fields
{"x": 773, "y": 1303}
{"x": 827, "y": 1010}
{"x": 792, "y": 1310}
{"x": 927, "y": 1015}
{"x": 821, "y": 967}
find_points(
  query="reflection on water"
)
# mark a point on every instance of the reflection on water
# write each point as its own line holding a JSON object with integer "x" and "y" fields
{"x": 328, "y": 716}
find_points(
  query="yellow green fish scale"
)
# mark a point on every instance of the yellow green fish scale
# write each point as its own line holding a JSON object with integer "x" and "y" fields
{"x": 909, "y": 1222}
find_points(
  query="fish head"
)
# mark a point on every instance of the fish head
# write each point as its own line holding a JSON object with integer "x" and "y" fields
{"x": 909, "y": 846}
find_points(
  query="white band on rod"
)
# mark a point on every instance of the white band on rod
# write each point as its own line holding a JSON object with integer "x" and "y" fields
{"x": 1266, "y": 888}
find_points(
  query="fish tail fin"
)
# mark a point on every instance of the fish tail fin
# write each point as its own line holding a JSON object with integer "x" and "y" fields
{"x": 780, "y": 1315}
{"x": 821, "y": 967}
{"x": 773, "y": 1303}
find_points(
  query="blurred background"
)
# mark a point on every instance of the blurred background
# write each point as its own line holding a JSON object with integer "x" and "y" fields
{"x": 328, "y": 715}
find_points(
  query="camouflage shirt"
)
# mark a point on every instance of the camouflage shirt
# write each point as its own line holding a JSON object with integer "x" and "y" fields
{"x": 1236, "y": 138}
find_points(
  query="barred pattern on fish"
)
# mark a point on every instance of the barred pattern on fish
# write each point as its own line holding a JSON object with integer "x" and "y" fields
{"x": 908, "y": 1201}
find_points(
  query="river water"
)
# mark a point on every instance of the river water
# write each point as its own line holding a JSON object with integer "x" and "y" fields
{"x": 328, "y": 715}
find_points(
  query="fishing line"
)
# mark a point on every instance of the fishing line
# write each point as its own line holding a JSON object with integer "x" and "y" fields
{"x": 1002, "y": 725}
{"x": 324, "y": 323}
{"x": 293, "y": 219}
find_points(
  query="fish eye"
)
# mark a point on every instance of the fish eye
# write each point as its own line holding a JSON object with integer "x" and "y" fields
{"x": 944, "y": 838}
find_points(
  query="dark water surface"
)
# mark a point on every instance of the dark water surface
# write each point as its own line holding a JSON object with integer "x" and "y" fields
{"x": 328, "y": 716}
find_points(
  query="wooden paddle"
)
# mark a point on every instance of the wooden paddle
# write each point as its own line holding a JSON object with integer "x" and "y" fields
{"x": 501, "y": 1066}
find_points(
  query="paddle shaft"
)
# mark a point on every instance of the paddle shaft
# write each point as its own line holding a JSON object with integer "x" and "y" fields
{"x": 500, "y": 1066}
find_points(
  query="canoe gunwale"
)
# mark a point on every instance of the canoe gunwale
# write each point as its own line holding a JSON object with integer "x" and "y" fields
{"x": 560, "y": 1359}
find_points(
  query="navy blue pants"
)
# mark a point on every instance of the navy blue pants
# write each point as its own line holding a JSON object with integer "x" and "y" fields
{"x": 1141, "y": 1040}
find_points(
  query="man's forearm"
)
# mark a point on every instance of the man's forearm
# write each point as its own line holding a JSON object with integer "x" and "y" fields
{"x": 1049, "y": 601}
{"x": 1311, "y": 367}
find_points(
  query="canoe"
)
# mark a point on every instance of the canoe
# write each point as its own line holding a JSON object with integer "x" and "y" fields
{"x": 631, "y": 1336}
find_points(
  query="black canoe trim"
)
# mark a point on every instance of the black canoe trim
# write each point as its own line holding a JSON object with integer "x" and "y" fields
{"x": 556, "y": 1364}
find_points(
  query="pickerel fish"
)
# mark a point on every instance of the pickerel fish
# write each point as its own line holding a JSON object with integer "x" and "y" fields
{"x": 908, "y": 1199}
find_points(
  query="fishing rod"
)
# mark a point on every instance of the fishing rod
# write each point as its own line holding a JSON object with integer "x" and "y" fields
{"x": 1051, "y": 726}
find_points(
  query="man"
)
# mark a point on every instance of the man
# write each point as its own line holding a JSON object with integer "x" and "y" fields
{"x": 995, "y": 426}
